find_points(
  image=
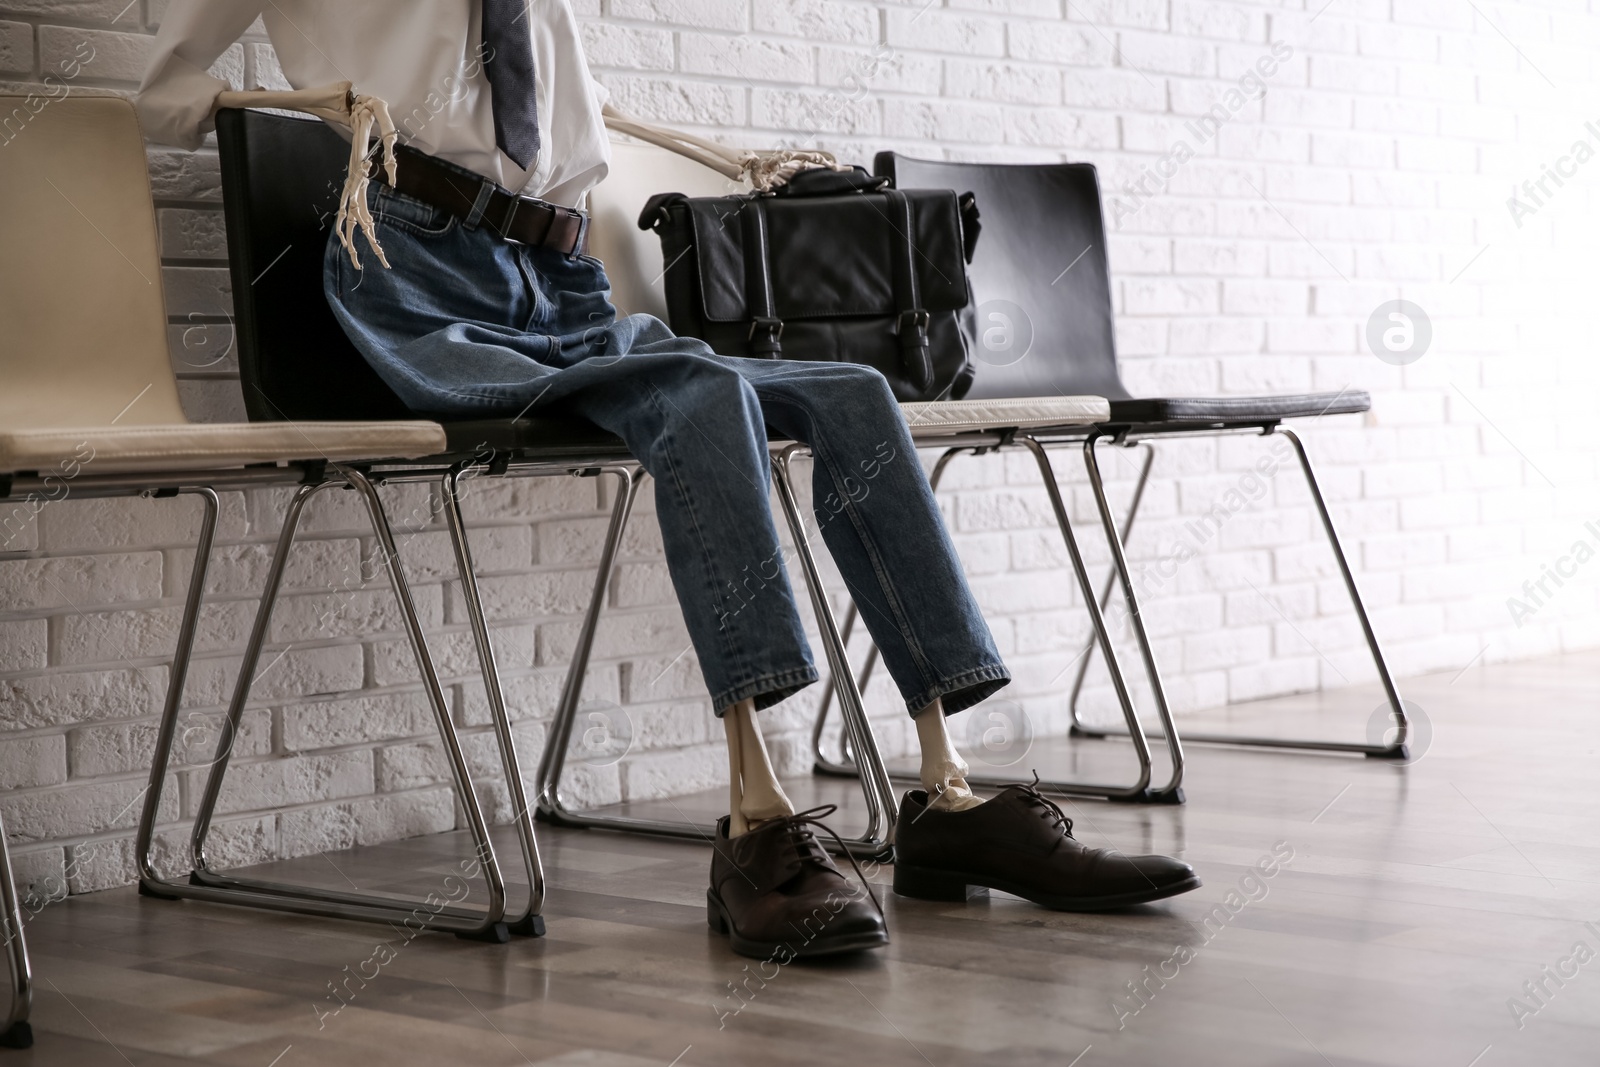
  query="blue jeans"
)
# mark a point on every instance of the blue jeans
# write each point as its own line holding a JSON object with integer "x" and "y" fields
{"x": 467, "y": 324}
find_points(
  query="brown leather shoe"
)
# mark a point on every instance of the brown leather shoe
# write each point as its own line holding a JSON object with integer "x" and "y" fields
{"x": 1022, "y": 843}
{"x": 777, "y": 894}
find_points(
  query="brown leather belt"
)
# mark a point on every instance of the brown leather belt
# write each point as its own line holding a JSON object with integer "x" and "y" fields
{"x": 480, "y": 202}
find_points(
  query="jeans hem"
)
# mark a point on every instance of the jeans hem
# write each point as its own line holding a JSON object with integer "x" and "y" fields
{"x": 959, "y": 692}
{"x": 767, "y": 690}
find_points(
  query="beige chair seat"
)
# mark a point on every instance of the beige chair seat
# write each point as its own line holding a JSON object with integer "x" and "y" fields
{"x": 937, "y": 417}
{"x": 202, "y": 446}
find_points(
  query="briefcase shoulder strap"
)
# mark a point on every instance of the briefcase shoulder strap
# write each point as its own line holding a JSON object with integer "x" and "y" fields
{"x": 911, "y": 324}
{"x": 766, "y": 329}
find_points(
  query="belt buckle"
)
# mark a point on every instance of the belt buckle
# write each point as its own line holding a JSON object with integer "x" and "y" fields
{"x": 583, "y": 232}
{"x": 504, "y": 226}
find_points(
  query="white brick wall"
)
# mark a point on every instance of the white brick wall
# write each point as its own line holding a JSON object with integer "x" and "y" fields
{"x": 1376, "y": 165}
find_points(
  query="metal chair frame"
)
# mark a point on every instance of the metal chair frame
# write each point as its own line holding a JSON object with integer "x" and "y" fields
{"x": 876, "y": 840}
{"x": 17, "y": 1031}
{"x": 207, "y": 884}
{"x": 1171, "y": 792}
{"x": 1144, "y": 438}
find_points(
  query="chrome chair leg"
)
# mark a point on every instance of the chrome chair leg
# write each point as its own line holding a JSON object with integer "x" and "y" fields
{"x": 845, "y": 766}
{"x": 1140, "y": 790}
{"x": 1086, "y": 657}
{"x": 1393, "y": 750}
{"x": 150, "y": 882}
{"x": 1119, "y": 567}
{"x": 553, "y": 761}
{"x": 207, "y": 885}
{"x": 876, "y": 787}
{"x": 531, "y": 921}
{"x": 550, "y": 805}
{"x": 17, "y": 1032}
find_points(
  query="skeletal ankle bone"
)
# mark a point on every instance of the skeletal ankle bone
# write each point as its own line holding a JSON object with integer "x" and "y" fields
{"x": 944, "y": 772}
{"x": 754, "y": 795}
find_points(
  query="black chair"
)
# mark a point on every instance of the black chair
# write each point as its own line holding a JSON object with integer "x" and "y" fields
{"x": 281, "y": 178}
{"x": 1041, "y": 263}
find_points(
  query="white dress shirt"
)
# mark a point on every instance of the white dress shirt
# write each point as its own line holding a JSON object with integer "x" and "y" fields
{"x": 423, "y": 57}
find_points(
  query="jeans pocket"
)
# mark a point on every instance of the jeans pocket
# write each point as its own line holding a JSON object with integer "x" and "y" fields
{"x": 410, "y": 214}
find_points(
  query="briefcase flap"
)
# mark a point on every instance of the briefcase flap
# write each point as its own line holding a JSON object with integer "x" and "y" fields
{"x": 830, "y": 256}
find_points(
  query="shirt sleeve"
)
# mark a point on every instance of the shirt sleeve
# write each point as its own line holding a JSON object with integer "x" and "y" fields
{"x": 177, "y": 97}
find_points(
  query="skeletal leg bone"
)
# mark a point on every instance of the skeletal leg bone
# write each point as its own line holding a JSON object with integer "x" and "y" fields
{"x": 754, "y": 794}
{"x": 944, "y": 772}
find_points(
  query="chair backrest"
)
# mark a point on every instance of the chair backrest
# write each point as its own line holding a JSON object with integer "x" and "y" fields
{"x": 281, "y": 179}
{"x": 633, "y": 256}
{"x": 81, "y": 309}
{"x": 1040, "y": 322}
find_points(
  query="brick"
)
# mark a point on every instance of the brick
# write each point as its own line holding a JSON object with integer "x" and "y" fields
{"x": 1061, "y": 43}
{"x": 1112, "y": 89}
{"x": 367, "y": 821}
{"x": 296, "y": 780}
{"x": 356, "y": 720}
{"x": 80, "y": 809}
{"x": 817, "y": 20}
{"x": 932, "y": 30}
{"x": 815, "y": 112}
{"x": 454, "y": 655}
{"x": 179, "y": 175}
{"x": 628, "y": 633}
{"x": 658, "y": 774}
{"x": 127, "y": 748}
{"x": 60, "y": 699}
{"x": 351, "y": 613}
{"x": 106, "y": 636}
{"x": 282, "y": 673}
{"x": 1203, "y": 18}
{"x": 856, "y": 71}
{"x": 197, "y": 290}
{"x": 538, "y": 594}
{"x": 24, "y": 644}
{"x": 627, "y": 47}
{"x": 76, "y": 582}
{"x": 746, "y": 58}
{"x": 16, "y": 48}
{"x": 199, "y": 346}
{"x": 34, "y": 761}
{"x": 677, "y": 101}
{"x": 117, "y": 56}
{"x": 187, "y": 233}
{"x": 1165, "y": 55}
{"x": 263, "y": 66}
{"x": 1014, "y": 82}
{"x": 1048, "y": 127}
{"x": 315, "y": 564}
{"x": 88, "y": 524}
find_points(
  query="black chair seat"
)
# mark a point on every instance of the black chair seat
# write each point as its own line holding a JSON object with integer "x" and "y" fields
{"x": 1213, "y": 409}
{"x": 547, "y": 437}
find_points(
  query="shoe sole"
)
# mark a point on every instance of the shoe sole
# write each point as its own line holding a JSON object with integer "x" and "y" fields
{"x": 721, "y": 922}
{"x": 925, "y": 883}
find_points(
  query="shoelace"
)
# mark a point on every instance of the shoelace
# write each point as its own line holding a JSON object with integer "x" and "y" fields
{"x": 797, "y": 831}
{"x": 1047, "y": 807}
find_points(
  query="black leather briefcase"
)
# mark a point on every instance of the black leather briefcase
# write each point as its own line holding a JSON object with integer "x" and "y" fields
{"x": 833, "y": 266}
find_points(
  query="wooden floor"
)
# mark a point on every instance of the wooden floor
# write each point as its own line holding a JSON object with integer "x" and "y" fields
{"x": 1418, "y": 902}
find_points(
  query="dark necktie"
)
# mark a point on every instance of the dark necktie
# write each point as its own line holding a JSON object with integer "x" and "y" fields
{"x": 510, "y": 71}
